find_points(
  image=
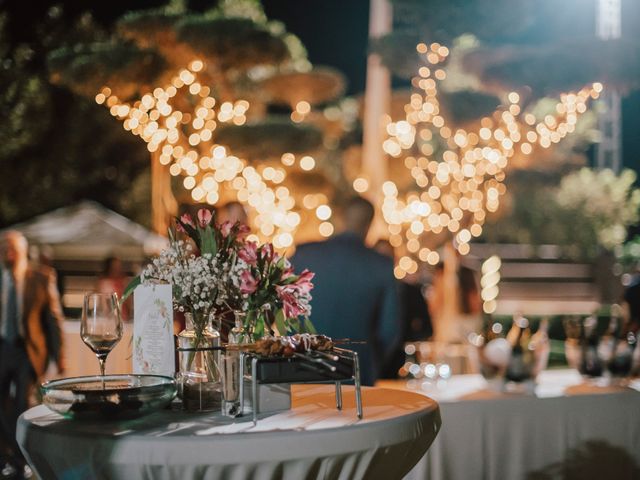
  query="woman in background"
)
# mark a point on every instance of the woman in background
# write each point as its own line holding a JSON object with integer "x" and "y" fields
{"x": 113, "y": 280}
{"x": 454, "y": 303}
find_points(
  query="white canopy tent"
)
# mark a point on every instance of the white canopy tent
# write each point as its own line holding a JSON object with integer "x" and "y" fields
{"x": 88, "y": 231}
{"x": 80, "y": 237}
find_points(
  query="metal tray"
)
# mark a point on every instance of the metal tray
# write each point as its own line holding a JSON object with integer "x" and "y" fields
{"x": 300, "y": 370}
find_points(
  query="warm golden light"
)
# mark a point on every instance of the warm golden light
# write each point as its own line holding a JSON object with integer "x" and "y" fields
{"x": 307, "y": 163}
{"x": 323, "y": 212}
{"x": 360, "y": 185}
{"x": 184, "y": 142}
{"x": 453, "y": 193}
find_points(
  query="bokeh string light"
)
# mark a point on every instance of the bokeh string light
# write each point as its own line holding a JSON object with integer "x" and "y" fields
{"x": 458, "y": 174}
{"x": 179, "y": 122}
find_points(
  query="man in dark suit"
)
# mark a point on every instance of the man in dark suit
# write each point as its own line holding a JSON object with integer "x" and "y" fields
{"x": 355, "y": 292}
{"x": 30, "y": 334}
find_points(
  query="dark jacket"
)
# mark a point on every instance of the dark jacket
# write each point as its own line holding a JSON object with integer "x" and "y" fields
{"x": 355, "y": 296}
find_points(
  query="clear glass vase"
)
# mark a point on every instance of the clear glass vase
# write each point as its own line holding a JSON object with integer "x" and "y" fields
{"x": 199, "y": 380}
{"x": 231, "y": 405}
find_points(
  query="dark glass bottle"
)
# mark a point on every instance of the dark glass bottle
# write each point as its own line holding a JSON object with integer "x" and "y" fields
{"x": 590, "y": 363}
{"x": 521, "y": 363}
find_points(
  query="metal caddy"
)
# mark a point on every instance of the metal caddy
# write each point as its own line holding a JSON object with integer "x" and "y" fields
{"x": 336, "y": 366}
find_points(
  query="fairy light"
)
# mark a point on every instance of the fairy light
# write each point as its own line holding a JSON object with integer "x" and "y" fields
{"x": 326, "y": 229}
{"x": 307, "y": 163}
{"x": 454, "y": 192}
{"x": 323, "y": 212}
{"x": 184, "y": 142}
{"x": 489, "y": 283}
{"x": 361, "y": 185}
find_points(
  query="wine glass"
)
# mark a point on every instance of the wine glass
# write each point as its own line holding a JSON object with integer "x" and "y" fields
{"x": 101, "y": 326}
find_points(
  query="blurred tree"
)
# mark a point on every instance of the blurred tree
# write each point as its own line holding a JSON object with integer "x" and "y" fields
{"x": 583, "y": 211}
{"x": 520, "y": 43}
{"x": 192, "y": 82}
{"x": 58, "y": 148}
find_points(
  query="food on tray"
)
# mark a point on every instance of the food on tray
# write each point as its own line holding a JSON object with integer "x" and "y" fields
{"x": 290, "y": 345}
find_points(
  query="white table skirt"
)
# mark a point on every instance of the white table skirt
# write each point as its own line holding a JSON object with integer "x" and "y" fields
{"x": 569, "y": 430}
{"x": 312, "y": 440}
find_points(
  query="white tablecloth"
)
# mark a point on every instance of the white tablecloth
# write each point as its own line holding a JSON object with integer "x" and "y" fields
{"x": 568, "y": 430}
{"x": 312, "y": 440}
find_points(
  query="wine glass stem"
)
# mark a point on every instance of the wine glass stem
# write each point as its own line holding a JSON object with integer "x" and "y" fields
{"x": 103, "y": 360}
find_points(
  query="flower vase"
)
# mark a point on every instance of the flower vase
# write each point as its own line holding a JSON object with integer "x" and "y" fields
{"x": 238, "y": 335}
{"x": 198, "y": 360}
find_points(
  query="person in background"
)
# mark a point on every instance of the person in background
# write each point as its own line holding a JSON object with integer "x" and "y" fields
{"x": 113, "y": 280}
{"x": 355, "y": 293}
{"x": 30, "y": 335}
{"x": 415, "y": 319}
{"x": 455, "y": 305}
{"x": 232, "y": 212}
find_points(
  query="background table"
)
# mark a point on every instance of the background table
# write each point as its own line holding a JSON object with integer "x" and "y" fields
{"x": 312, "y": 440}
{"x": 568, "y": 430}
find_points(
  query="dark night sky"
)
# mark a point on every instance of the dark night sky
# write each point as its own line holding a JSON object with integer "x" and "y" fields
{"x": 335, "y": 34}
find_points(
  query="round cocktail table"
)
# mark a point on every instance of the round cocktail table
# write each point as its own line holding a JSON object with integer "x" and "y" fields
{"x": 312, "y": 440}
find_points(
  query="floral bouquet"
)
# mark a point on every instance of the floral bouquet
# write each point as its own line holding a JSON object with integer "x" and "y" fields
{"x": 270, "y": 293}
{"x": 216, "y": 270}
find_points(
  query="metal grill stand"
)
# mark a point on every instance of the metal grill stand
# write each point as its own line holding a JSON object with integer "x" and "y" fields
{"x": 265, "y": 370}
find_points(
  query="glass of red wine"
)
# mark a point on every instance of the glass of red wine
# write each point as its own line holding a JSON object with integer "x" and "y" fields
{"x": 101, "y": 326}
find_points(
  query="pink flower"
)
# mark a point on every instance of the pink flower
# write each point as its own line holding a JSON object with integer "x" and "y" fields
{"x": 243, "y": 231}
{"x": 303, "y": 284}
{"x": 204, "y": 217}
{"x": 292, "y": 307}
{"x": 249, "y": 253}
{"x": 187, "y": 220}
{"x": 180, "y": 228}
{"x": 225, "y": 228}
{"x": 267, "y": 251}
{"x": 248, "y": 284}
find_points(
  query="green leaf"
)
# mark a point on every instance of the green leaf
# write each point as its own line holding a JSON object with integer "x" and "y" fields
{"x": 131, "y": 287}
{"x": 290, "y": 280}
{"x": 307, "y": 326}
{"x": 207, "y": 241}
{"x": 280, "y": 322}
{"x": 259, "y": 330}
{"x": 191, "y": 231}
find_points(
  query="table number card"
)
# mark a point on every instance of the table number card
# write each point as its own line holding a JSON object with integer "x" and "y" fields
{"x": 153, "y": 347}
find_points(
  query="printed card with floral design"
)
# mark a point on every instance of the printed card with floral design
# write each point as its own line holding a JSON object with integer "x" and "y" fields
{"x": 153, "y": 346}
